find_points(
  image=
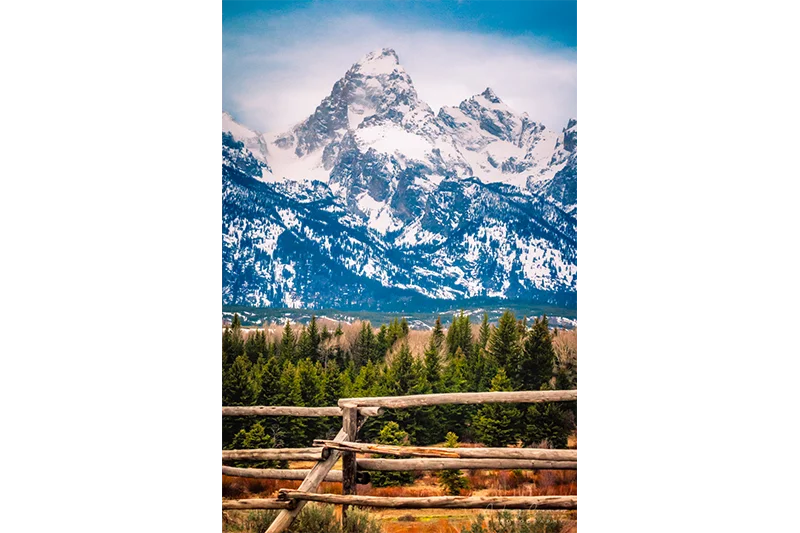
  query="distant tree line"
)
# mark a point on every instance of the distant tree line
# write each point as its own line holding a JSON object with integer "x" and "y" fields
{"x": 315, "y": 367}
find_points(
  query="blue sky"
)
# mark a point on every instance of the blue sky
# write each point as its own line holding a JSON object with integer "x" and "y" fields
{"x": 553, "y": 20}
{"x": 281, "y": 58}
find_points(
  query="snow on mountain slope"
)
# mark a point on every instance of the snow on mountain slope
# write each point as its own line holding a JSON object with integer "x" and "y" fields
{"x": 374, "y": 200}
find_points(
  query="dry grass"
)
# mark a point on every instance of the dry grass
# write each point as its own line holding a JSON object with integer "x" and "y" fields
{"x": 565, "y": 345}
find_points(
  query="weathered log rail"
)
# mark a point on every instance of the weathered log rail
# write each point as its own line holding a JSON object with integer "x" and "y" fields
{"x": 273, "y": 410}
{"x": 545, "y": 454}
{"x": 462, "y": 398}
{"x": 335, "y": 476}
{"x": 402, "y": 465}
{"x": 354, "y": 411}
{"x": 275, "y": 454}
{"x": 432, "y": 502}
{"x": 437, "y": 502}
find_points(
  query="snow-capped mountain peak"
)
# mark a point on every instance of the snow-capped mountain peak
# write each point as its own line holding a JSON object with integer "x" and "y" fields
{"x": 384, "y": 61}
{"x": 475, "y": 201}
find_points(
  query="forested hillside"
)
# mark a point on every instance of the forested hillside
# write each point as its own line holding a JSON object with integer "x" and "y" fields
{"x": 314, "y": 365}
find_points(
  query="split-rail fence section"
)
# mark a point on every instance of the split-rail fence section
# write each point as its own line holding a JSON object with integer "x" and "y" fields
{"x": 354, "y": 411}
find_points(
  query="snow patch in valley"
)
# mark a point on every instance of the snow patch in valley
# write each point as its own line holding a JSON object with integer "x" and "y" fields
{"x": 379, "y": 214}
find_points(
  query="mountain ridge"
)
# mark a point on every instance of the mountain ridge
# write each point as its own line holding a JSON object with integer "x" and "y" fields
{"x": 380, "y": 198}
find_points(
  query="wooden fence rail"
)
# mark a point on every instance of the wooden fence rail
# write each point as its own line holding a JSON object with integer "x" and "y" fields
{"x": 474, "y": 453}
{"x": 462, "y": 398}
{"x": 431, "y": 502}
{"x": 438, "y": 502}
{"x": 362, "y": 478}
{"x": 289, "y": 410}
{"x": 275, "y": 454}
{"x": 255, "y": 503}
{"x": 401, "y": 465}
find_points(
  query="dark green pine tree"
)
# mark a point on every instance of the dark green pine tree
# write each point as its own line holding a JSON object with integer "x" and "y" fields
{"x": 333, "y": 384}
{"x": 392, "y": 434}
{"x": 287, "y": 347}
{"x": 483, "y": 337}
{"x": 339, "y": 332}
{"x": 310, "y": 383}
{"x": 254, "y": 438}
{"x": 503, "y": 345}
{"x": 232, "y": 342}
{"x": 437, "y": 335}
{"x": 367, "y": 381}
{"x": 288, "y": 390}
{"x": 404, "y": 327}
{"x": 433, "y": 366}
{"x": 452, "y": 481}
{"x": 255, "y": 345}
{"x": 238, "y": 385}
{"x": 364, "y": 346}
{"x": 305, "y": 349}
{"x": 270, "y": 377}
{"x": 537, "y": 359}
{"x": 497, "y": 424}
{"x": 292, "y": 429}
{"x": 400, "y": 377}
{"x": 314, "y": 338}
{"x": 454, "y": 378}
{"x": 459, "y": 335}
{"x": 475, "y": 371}
{"x": 311, "y": 394}
{"x": 382, "y": 343}
{"x": 325, "y": 334}
{"x": 547, "y": 424}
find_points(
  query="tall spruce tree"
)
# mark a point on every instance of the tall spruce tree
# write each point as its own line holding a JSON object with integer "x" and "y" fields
{"x": 497, "y": 424}
{"x": 363, "y": 349}
{"x": 305, "y": 348}
{"x": 333, "y": 384}
{"x": 433, "y": 366}
{"x": 459, "y": 335}
{"x": 232, "y": 342}
{"x": 503, "y": 344}
{"x": 401, "y": 377}
{"x": 437, "y": 335}
{"x": 310, "y": 383}
{"x": 292, "y": 429}
{"x": 314, "y": 338}
{"x": 483, "y": 337}
{"x": 538, "y": 357}
{"x": 238, "y": 385}
{"x": 287, "y": 347}
{"x": 255, "y": 345}
{"x": 270, "y": 376}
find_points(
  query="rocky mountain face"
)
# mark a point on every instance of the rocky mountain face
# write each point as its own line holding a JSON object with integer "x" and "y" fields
{"x": 375, "y": 201}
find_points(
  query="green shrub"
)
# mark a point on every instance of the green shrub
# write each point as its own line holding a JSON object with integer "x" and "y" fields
{"x": 452, "y": 480}
{"x": 315, "y": 519}
{"x": 392, "y": 434}
{"x": 520, "y": 522}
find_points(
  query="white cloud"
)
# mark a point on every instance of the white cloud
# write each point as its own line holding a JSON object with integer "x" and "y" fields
{"x": 275, "y": 72}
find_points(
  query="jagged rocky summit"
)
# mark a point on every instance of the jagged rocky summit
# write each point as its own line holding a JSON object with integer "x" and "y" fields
{"x": 374, "y": 201}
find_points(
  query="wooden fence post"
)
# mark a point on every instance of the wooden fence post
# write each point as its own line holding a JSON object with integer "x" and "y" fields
{"x": 349, "y": 464}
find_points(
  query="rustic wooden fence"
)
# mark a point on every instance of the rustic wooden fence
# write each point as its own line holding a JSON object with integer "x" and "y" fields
{"x": 354, "y": 411}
